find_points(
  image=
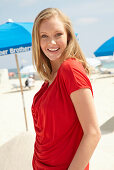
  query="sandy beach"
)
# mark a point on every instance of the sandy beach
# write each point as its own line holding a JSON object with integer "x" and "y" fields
{"x": 13, "y": 130}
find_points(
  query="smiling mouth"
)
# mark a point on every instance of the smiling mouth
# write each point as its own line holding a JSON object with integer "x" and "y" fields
{"x": 53, "y": 50}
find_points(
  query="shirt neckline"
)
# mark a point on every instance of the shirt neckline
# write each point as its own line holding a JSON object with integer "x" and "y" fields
{"x": 57, "y": 74}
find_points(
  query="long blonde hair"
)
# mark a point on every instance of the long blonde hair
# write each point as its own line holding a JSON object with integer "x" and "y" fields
{"x": 72, "y": 50}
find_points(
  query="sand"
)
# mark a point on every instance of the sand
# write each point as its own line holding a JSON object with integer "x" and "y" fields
{"x": 13, "y": 130}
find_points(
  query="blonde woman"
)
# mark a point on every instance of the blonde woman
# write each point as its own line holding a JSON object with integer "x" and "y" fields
{"x": 63, "y": 109}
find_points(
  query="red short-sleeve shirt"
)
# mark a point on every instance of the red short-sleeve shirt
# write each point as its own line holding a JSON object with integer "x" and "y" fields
{"x": 58, "y": 130}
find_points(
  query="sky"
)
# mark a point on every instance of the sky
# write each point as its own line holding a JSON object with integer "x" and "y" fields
{"x": 93, "y": 20}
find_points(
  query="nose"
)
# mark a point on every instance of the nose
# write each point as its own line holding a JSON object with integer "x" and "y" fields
{"x": 53, "y": 41}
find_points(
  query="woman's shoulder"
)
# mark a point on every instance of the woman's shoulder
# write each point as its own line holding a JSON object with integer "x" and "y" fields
{"x": 71, "y": 64}
{"x": 73, "y": 75}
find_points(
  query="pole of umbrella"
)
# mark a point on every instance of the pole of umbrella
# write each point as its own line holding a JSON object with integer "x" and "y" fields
{"x": 21, "y": 87}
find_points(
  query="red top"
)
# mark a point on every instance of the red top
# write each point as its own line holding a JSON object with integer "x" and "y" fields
{"x": 58, "y": 130}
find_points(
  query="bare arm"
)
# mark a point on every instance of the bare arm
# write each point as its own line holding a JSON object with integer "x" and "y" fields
{"x": 84, "y": 105}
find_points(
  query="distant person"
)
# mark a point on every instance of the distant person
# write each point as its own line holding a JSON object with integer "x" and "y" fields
{"x": 29, "y": 81}
{"x": 63, "y": 110}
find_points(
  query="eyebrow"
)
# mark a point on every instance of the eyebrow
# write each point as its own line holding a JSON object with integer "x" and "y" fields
{"x": 42, "y": 32}
{"x": 47, "y": 33}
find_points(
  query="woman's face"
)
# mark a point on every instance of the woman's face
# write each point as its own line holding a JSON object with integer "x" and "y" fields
{"x": 53, "y": 38}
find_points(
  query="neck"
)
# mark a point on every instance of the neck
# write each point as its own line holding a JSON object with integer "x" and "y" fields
{"x": 55, "y": 66}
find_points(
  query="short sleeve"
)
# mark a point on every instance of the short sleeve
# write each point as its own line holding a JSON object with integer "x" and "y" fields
{"x": 73, "y": 76}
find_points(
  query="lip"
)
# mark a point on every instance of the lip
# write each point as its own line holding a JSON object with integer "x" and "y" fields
{"x": 53, "y": 49}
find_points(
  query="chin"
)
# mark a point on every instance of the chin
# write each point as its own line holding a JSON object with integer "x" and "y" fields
{"x": 54, "y": 58}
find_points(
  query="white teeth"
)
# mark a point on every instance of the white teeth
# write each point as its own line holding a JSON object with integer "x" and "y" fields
{"x": 53, "y": 49}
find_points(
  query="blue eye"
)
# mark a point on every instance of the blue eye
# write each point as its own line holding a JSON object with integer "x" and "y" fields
{"x": 58, "y": 34}
{"x": 44, "y": 36}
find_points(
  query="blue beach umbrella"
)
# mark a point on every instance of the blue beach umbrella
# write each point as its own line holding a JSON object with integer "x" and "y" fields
{"x": 15, "y": 37}
{"x": 106, "y": 49}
